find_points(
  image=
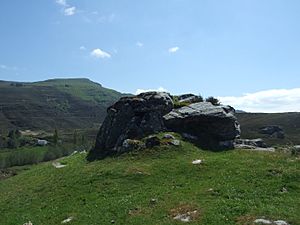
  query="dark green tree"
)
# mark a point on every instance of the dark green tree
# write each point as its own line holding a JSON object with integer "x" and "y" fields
{"x": 55, "y": 137}
{"x": 75, "y": 138}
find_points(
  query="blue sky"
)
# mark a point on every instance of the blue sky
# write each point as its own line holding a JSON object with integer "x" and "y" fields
{"x": 213, "y": 47}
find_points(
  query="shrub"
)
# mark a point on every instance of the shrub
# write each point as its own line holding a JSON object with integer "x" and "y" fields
{"x": 213, "y": 101}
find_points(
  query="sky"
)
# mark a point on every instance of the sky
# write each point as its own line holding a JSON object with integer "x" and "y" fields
{"x": 246, "y": 52}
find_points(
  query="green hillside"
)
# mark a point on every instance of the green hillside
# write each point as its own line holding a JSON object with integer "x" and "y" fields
{"x": 61, "y": 103}
{"x": 252, "y": 122}
{"x": 152, "y": 187}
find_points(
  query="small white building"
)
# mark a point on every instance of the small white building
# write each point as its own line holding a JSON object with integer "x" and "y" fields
{"x": 42, "y": 142}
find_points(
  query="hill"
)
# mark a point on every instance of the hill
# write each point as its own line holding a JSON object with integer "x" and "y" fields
{"x": 61, "y": 103}
{"x": 154, "y": 186}
{"x": 252, "y": 122}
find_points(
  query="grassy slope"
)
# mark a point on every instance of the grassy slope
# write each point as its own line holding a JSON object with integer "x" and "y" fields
{"x": 246, "y": 186}
{"x": 290, "y": 122}
{"x": 62, "y": 103}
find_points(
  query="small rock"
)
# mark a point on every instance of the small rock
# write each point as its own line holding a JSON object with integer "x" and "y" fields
{"x": 175, "y": 142}
{"x": 29, "y": 223}
{"x": 168, "y": 136}
{"x": 263, "y": 221}
{"x": 197, "y": 162}
{"x": 283, "y": 190}
{"x": 74, "y": 153}
{"x": 183, "y": 218}
{"x": 67, "y": 220}
{"x": 153, "y": 201}
{"x": 58, "y": 165}
{"x": 280, "y": 222}
{"x": 186, "y": 217}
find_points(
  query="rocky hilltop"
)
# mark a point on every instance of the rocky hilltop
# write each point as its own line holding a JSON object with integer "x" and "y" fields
{"x": 136, "y": 117}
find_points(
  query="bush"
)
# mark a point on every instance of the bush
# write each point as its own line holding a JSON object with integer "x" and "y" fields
{"x": 213, "y": 101}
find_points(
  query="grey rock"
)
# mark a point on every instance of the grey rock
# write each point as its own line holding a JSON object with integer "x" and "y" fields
{"x": 131, "y": 118}
{"x": 189, "y": 98}
{"x": 175, "y": 142}
{"x": 273, "y": 131}
{"x": 280, "y": 222}
{"x": 168, "y": 136}
{"x": 211, "y": 125}
{"x": 152, "y": 141}
{"x": 252, "y": 142}
{"x": 263, "y": 221}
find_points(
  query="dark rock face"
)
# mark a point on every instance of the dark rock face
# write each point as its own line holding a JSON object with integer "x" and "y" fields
{"x": 273, "y": 131}
{"x": 131, "y": 118}
{"x": 213, "y": 126}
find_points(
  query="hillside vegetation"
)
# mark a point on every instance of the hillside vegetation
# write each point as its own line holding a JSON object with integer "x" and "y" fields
{"x": 153, "y": 186}
{"x": 252, "y": 122}
{"x": 61, "y": 103}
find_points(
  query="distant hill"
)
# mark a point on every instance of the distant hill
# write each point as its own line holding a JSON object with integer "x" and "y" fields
{"x": 61, "y": 103}
{"x": 252, "y": 122}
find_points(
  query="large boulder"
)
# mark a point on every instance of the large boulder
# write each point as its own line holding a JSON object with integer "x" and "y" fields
{"x": 131, "y": 118}
{"x": 213, "y": 127}
{"x": 134, "y": 118}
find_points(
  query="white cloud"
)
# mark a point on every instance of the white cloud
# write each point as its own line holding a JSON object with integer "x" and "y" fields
{"x": 82, "y": 48}
{"x": 173, "y": 49}
{"x": 269, "y": 101}
{"x": 4, "y": 67}
{"x": 98, "y": 53}
{"x": 62, "y": 2}
{"x": 160, "y": 89}
{"x": 139, "y": 44}
{"x": 70, "y": 11}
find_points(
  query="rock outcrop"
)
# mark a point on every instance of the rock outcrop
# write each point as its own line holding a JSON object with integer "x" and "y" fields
{"x": 133, "y": 118}
{"x": 258, "y": 143}
{"x": 273, "y": 131}
{"x": 213, "y": 127}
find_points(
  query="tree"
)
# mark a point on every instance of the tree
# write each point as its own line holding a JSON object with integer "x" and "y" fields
{"x": 75, "y": 137}
{"x": 200, "y": 98}
{"x": 213, "y": 101}
{"x": 13, "y": 139}
{"x": 55, "y": 137}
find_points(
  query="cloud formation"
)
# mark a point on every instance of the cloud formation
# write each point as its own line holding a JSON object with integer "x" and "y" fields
{"x": 269, "y": 101}
{"x": 173, "y": 49}
{"x": 98, "y": 53}
{"x": 66, "y": 8}
{"x": 70, "y": 11}
{"x": 160, "y": 89}
{"x": 4, "y": 67}
{"x": 139, "y": 44}
{"x": 62, "y": 2}
{"x": 82, "y": 48}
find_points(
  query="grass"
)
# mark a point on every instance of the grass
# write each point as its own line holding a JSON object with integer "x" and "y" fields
{"x": 34, "y": 154}
{"x": 231, "y": 187}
